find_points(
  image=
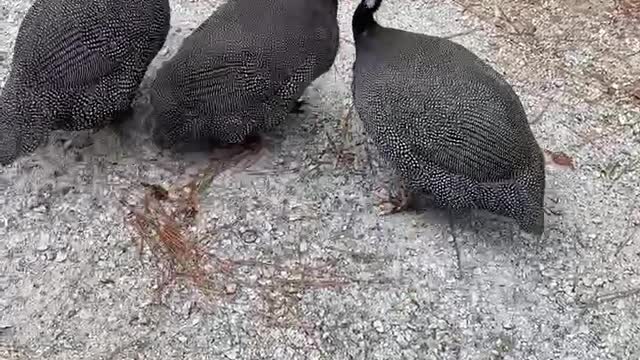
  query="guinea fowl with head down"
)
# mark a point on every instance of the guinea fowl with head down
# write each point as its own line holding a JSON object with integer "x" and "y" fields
{"x": 242, "y": 71}
{"x": 450, "y": 124}
{"x": 77, "y": 65}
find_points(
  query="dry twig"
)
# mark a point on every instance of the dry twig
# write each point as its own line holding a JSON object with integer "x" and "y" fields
{"x": 164, "y": 222}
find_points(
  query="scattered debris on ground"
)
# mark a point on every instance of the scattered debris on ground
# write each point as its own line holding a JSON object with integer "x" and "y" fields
{"x": 164, "y": 221}
{"x": 558, "y": 159}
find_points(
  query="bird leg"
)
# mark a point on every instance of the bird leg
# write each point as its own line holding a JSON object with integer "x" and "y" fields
{"x": 253, "y": 143}
{"x": 297, "y": 107}
{"x": 390, "y": 204}
{"x": 454, "y": 243}
{"x": 251, "y": 151}
{"x": 222, "y": 152}
{"x": 233, "y": 156}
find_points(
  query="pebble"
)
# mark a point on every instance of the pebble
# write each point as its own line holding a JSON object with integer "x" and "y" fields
{"x": 250, "y": 236}
{"x": 231, "y": 288}
{"x": 42, "y": 247}
{"x": 378, "y": 326}
{"x": 186, "y": 309}
{"x": 40, "y": 209}
{"x": 84, "y": 314}
{"x": 508, "y": 325}
{"x": 402, "y": 340}
{"x": 61, "y": 256}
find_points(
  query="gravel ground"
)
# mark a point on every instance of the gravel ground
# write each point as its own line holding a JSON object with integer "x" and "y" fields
{"x": 73, "y": 284}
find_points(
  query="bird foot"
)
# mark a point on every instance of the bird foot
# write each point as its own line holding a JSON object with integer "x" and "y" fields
{"x": 390, "y": 204}
{"x": 248, "y": 152}
{"x": 253, "y": 143}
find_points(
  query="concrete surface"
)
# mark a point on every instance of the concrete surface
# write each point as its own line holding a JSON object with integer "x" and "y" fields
{"x": 73, "y": 286}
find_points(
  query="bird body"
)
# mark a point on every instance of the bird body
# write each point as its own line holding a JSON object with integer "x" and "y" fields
{"x": 243, "y": 70}
{"x": 76, "y": 65}
{"x": 449, "y": 123}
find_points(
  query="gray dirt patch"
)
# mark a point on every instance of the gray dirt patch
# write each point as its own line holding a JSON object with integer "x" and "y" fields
{"x": 73, "y": 285}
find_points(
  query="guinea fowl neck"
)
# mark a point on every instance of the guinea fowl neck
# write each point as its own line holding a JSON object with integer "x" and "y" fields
{"x": 363, "y": 18}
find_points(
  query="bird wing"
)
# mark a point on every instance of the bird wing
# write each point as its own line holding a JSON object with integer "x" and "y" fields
{"x": 460, "y": 127}
{"x": 77, "y": 49}
{"x": 232, "y": 79}
{"x": 235, "y": 75}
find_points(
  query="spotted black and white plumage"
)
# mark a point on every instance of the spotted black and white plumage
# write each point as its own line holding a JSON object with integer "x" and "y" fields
{"x": 76, "y": 65}
{"x": 243, "y": 70}
{"x": 449, "y": 123}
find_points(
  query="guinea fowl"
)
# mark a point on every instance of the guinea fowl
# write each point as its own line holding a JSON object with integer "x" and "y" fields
{"x": 77, "y": 65}
{"x": 242, "y": 71}
{"x": 449, "y": 124}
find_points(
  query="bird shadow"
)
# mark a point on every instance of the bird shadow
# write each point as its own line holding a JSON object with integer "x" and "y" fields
{"x": 473, "y": 224}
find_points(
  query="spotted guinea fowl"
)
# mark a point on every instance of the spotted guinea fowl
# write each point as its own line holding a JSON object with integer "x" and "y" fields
{"x": 242, "y": 71}
{"x": 76, "y": 65}
{"x": 449, "y": 123}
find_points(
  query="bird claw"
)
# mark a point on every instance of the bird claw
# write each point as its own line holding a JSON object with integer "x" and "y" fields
{"x": 388, "y": 208}
{"x": 392, "y": 204}
{"x": 251, "y": 152}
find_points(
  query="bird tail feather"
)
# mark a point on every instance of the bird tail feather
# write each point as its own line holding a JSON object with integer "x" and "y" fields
{"x": 518, "y": 199}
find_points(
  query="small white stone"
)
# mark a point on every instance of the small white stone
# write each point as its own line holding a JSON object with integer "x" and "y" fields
{"x": 84, "y": 314}
{"x": 402, "y": 340}
{"x": 186, "y": 308}
{"x": 230, "y": 288}
{"x": 61, "y": 256}
{"x": 42, "y": 247}
{"x": 378, "y": 326}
